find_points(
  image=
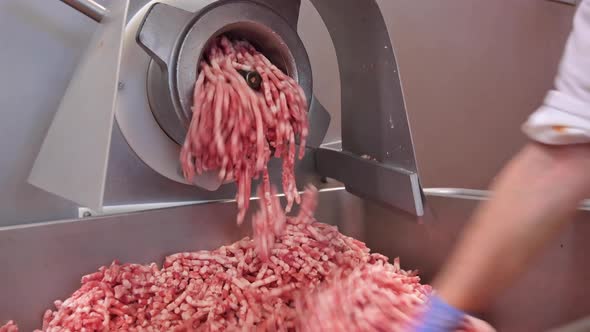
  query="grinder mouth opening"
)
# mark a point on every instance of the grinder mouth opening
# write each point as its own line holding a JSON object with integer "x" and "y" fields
{"x": 264, "y": 39}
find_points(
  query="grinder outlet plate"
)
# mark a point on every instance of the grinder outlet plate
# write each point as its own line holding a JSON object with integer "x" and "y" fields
{"x": 134, "y": 117}
{"x": 175, "y": 39}
{"x": 270, "y": 33}
{"x": 154, "y": 123}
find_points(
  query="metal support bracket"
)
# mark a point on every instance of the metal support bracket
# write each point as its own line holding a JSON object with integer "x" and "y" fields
{"x": 372, "y": 180}
{"x": 374, "y": 120}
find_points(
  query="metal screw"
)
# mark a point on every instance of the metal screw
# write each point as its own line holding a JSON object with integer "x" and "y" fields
{"x": 253, "y": 78}
{"x": 87, "y": 214}
{"x": 120, "y": 86}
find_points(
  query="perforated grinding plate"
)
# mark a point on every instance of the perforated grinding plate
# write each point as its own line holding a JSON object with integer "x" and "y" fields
{"x": 133, "y": 115}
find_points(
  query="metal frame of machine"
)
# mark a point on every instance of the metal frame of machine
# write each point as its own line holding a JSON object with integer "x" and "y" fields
{"x": 376, "y": 138}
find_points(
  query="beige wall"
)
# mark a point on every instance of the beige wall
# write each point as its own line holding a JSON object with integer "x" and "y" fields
{"x": 472, "y": 71}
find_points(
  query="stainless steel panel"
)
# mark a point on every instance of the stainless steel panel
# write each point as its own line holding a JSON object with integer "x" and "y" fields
{"x": 397, "y": 187}
{"x": 41, "y": 44}
{"x": 373, "y": 113}
{"x": 73, "y": 159}
{"x": 374, "y": 120}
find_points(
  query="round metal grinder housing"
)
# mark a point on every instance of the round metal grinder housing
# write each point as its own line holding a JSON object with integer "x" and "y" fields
{"x": 176, "y": 40}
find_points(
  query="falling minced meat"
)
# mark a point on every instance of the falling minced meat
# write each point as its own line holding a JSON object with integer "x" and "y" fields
{"x": 234, "y": 127}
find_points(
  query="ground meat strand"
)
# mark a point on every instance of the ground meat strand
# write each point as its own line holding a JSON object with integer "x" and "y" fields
{"x": 269, "y": 222}
{"x": 233, "y": 127}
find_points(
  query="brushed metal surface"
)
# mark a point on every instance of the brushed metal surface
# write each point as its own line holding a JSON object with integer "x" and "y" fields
{"x": 137, "y": 124}
{"x": 159, "y": 34}
{"x": 369, "y": 179}
{"x": 373, "y": 113}
{"x": 73, "y": 159}
{"x": 42, "y": 42}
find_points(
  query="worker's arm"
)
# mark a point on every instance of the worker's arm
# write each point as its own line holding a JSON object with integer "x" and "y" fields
{"x": 533, "y": 198}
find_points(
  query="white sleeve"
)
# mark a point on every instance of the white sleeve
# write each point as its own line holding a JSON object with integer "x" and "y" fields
{"x": 564, "y": 117}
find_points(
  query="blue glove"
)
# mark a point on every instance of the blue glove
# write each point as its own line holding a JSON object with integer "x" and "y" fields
{"x": 440, "y": 317}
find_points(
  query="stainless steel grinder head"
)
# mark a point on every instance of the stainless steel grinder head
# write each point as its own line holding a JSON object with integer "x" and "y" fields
{"x": 176, "y": 40}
